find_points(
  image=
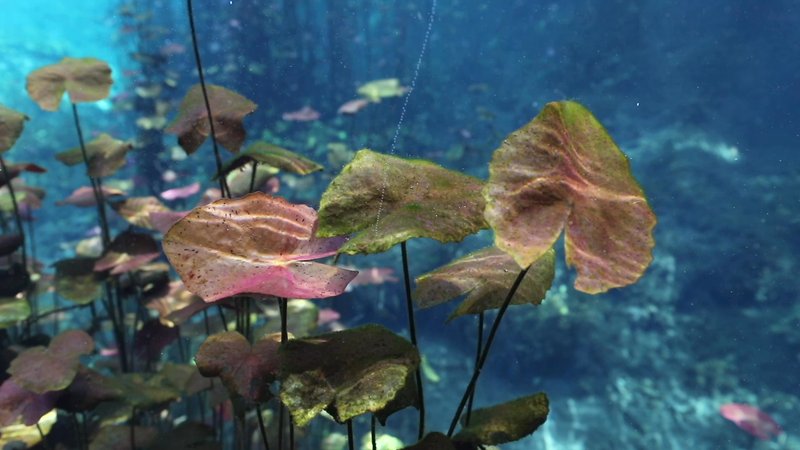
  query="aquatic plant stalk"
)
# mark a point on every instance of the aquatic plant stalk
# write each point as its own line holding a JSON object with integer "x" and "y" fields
{"x": 412, "y": 330}
{"x": 372, "y": 427}
{"x": 253, "y": 177}
{"x": 350, "y": 439}
{"x": 485, "y": 354}
{"x": 223, "y": 184}
{"x": 477, "y": 361}
{"x": 262, "y": 428}
{"x": 17, "y": 217}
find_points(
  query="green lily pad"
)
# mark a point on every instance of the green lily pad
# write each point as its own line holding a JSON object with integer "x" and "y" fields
{"x": 136, "y": 210}
{"x": 11, "y": 125}
{"x": 106, "y": 155}
{"x": 485, "y": 276}
{"x": 13, "y": 436}
{"x": 433, "y": 441}
{"x": 52, "y": 368}
{"x": 239, "y": 179}
{"x": 13, "y": 310}
{"x": 562, "y": 171}
{"x": 375, "y": 90}
{"x": 272, "y": 155}
{"x": 228, "y": 110}
{"x": 245, "y": 370}
{"x": 77, "y": 281}
{"x": 84, "y": 79}
{"x": 347, "y": 373}
{"x": 507, "y": 422}
{"x": 257, "y": 244}
{"x": 420, "y": 199}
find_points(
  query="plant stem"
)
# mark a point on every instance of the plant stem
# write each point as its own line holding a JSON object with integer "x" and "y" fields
{"x": 412, "y": 329}
{"x": 485, "y": 354}
{"x": 14, "y": 204}
{"x": 95, "y": 182}
{"x": 350, "y": 439}
{"x": 262, "y": 428}
{"x": 372, "y": 432}
{"x": 253, "y": 177}
{"x": 477, "y": 360}
{"x": 223, "y": 185}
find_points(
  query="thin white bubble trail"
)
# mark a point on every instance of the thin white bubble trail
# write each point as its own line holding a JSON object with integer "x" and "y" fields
{"x": 393, "y": 147}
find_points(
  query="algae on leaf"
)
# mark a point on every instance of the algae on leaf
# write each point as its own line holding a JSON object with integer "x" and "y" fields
{"x": 562, "y": 171}
{"x": 485, "y": 277}
{"x": 84, "y": 79}
{"x": 11, "y": 125}
{"x": 347, "y": 373}
{"x": 506, "y": 422}
{"x": 419, "y": 199}
{"x": 272, "y": 155}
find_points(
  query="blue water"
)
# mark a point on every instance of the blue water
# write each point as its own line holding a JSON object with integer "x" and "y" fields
{"x": 703, "y": 98}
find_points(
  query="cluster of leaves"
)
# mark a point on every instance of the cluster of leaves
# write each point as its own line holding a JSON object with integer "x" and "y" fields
{"x": 562, "y": 172}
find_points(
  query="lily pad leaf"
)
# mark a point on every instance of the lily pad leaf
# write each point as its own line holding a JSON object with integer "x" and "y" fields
{"x": 245, "y": 370}
{"x": 375, "y": 90}
{"x": 77, "y": 281}
{"x": 433, "y": 441}
{"x": 239, "y": 179}
{"x": 9, "y": 243}
{"x": 39, "y": 369}
{"x": 129, "y": 251}
{"x": 420, "y": 199}
{"x": 22, "y": 436}
{"x": 256, "y": 244}
{"x": 11, "y": 125}
{"x": 13, "y": 310}
{"x": 177, "y": 305}
{"x": 272, "y": 155}
{"x": 347, "y": 373}
{"x": 87, "y": 390}
{"x": 84, "y": 79}
{"x": 105, "y": 154}
{"x": 120, "y": 437}
{"x": 84, "y": 196}
{"x": 562, "y": 171}
{"x": 228, "y": 110}
{"x": 14, "y": 170}
{"x": 485, "y": 276}
{"x": 21, "y": 405}
{"x": 507, "y": 422}
{"x": 136, "y": 210}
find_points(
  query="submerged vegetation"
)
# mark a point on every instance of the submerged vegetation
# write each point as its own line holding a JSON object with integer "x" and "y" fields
{"x": 231, "y": 277}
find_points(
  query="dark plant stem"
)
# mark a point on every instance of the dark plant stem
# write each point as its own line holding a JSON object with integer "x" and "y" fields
{"x": 222, "y": 317}
{"x": 412, "y": 329}
{"x": 44, "y": 439}
{"x": 283, "y": 306}
{"x": 350, "y": 439}
{"x": 280, "y": 425}
{"x": 372, "y": 427}
{"x": 485, "y": 354}
{"x": 477, "y": 360}
{"x": 261, "y": 427}
{"x": 223, "y": 185}
{"x": 96, "y": 185}
{"x": 14, "y": 204}
{"x": 253, "y": 176}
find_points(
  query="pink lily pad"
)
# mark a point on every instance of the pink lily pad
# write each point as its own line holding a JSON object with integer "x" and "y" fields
{"x": 17, "y": 403}
{"x": 14, "y": 170}
{"x": 84, "y": 196}
{"x": 11, "y": 125}
{"x": 39, "y": 369}
{"x": 181, "y": 192}
{"x": 84, "y": 79}
{"x": 105, "y": 154}
{"x": 129, "y": 251}
{"x": 485, "y": 276}
{"x": 228, "y": 110}
{"x": 245, "y": 370}
{"x": 256, "y": 244}
{"x": 562, "y": 171}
